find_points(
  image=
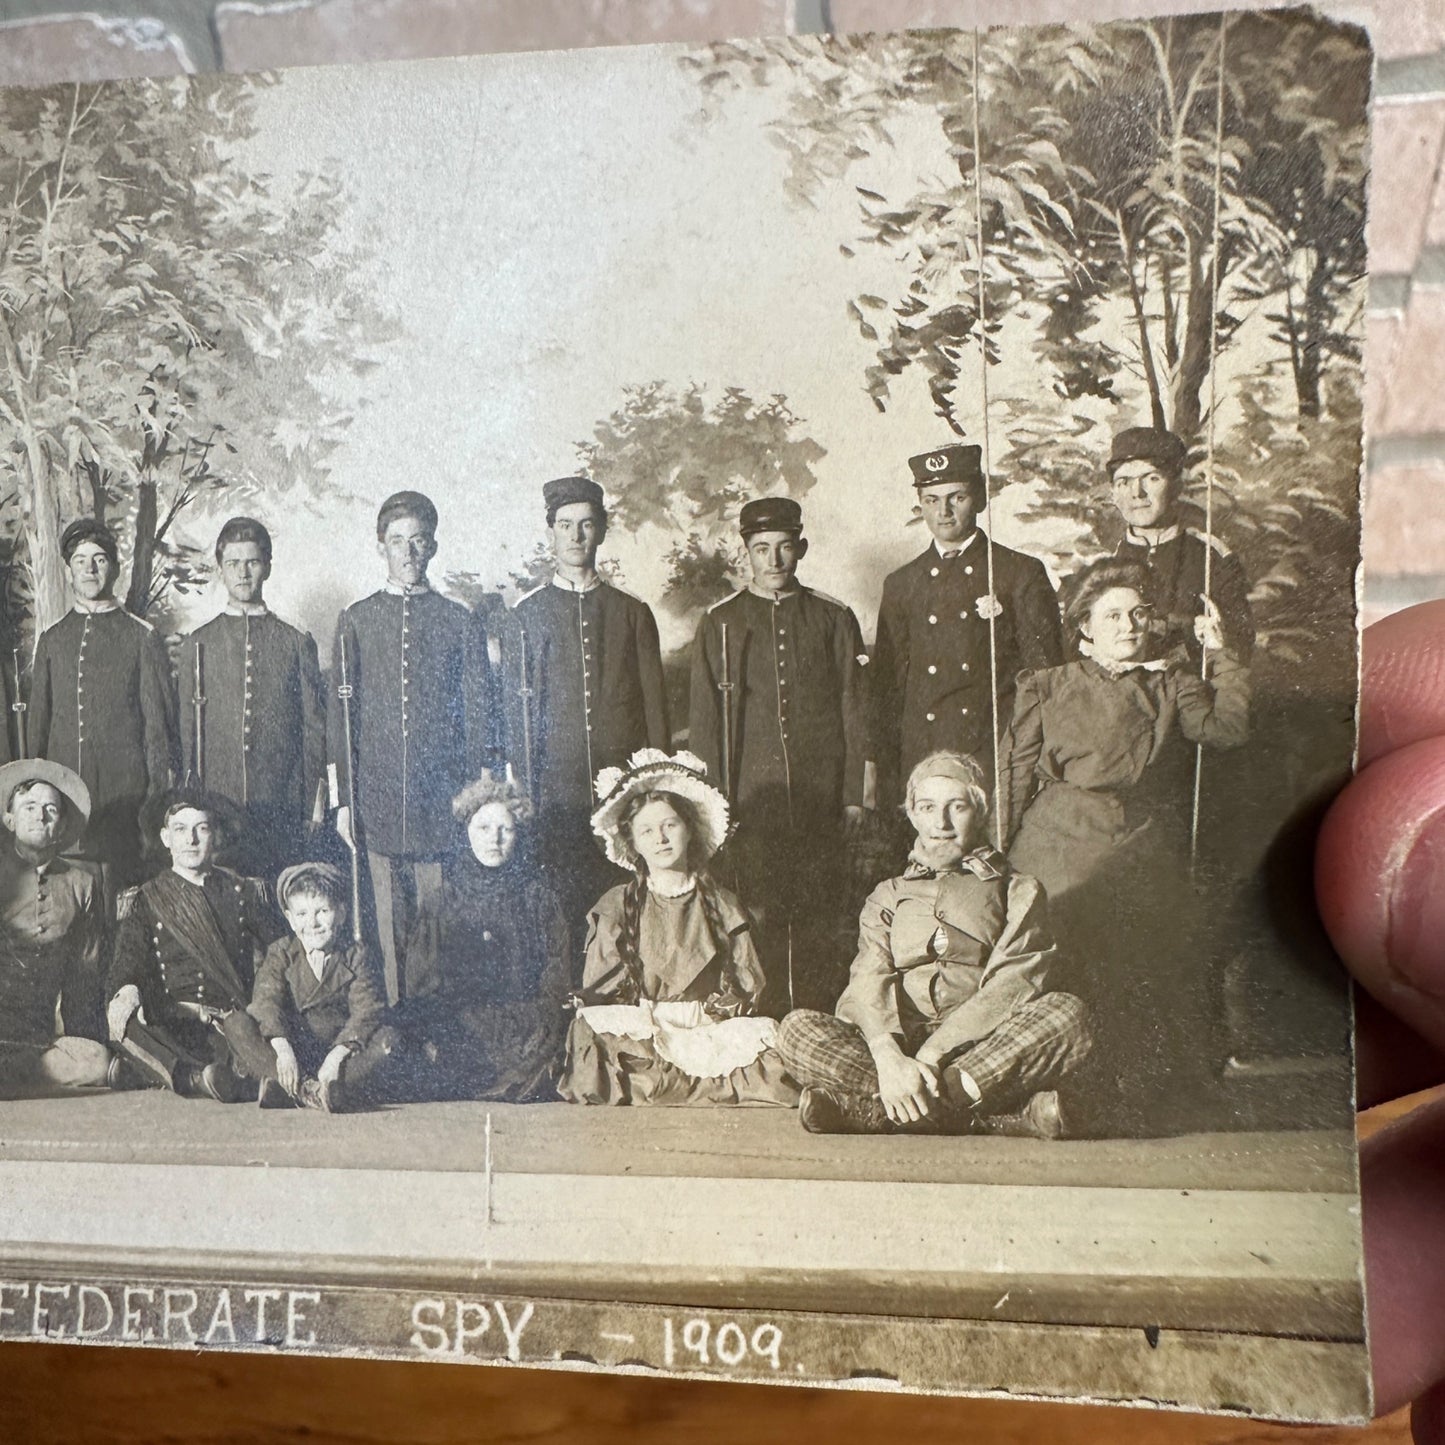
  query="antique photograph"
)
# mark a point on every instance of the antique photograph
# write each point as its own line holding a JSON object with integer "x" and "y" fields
{"x": 693, "y": 677}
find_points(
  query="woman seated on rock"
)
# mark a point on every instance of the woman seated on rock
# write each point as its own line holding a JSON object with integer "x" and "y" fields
{"x": 491, "y": 960}
{"x": 672, "y": 976}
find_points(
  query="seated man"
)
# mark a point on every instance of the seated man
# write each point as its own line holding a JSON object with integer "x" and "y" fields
{"x": 947, "y": 1024}
{"x": 52, "y": 932}
{"x": 319, "y": 1001}
{"x": 185, "y": 960}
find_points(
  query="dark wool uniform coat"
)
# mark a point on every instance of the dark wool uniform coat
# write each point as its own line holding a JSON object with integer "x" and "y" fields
{"x": 103, "y": 704}
{"x": 798, "y": 711}
{"x": 418, "y": 667}
{"x": 596, "y": 671}
{"x": 264, "y": 720}
{"x": 1176, "y": 576}
{"x": 185, "y": 942}
{"x": 932, "y": 657}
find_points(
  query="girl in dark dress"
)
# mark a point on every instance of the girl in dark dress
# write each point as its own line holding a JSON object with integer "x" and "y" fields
{"x": 1097, "y": 769}
{"x": 492, "y": 958}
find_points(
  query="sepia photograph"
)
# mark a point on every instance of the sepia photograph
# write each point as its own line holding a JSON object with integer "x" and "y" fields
{"x": 674, "y": 697}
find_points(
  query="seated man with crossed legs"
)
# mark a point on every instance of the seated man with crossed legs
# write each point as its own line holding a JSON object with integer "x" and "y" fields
{"x": 947, "y": 1024}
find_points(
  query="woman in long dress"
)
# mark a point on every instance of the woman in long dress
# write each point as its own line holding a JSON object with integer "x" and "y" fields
{"x": 667, "y": 1012}
{"x": 490, "y": 963}
{"x": 1097, "y": 769}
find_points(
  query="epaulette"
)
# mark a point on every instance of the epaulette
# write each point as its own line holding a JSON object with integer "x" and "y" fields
{"x": 540, "y": 587}
{"x": 723, "y": 601}
{"x": 124, "y": 902}
{"x": 1219, "y": 547}
{"x": 632, "y": 596}
{"x": 149, "y": 626}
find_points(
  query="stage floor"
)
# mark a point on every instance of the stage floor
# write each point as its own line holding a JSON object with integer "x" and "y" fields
{"x": 152, "y": 1127}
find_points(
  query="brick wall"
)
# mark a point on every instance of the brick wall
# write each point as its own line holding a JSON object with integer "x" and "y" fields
{"x": 1405, "y": 508}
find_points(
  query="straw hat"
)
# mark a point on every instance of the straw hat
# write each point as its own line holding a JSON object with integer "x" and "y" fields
{"x": 69, "y": 785}
{"x": 652, "y": 769}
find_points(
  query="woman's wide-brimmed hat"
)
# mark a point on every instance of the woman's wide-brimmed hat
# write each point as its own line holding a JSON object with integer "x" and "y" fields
{"x": 70, "y": 786}
{"x": 652, "y": 770}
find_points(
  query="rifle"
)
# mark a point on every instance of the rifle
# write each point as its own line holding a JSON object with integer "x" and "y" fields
{"x": 524, "y": 691}
{"x": 344, "y": 692}
{"x": 198, "y": 757}
{"x": 725, "y": 690}
{"x": 18, "y": 708}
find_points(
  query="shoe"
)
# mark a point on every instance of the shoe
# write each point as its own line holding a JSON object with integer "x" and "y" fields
{"x": 221, "y": 1083}
{"x": 121, "y": 1074}
{"x": 1041, "y": 1118}
{"x": 334, "y": 1098}
{"x": 312, "y": 1096}
{"x": 828, "y": 1111}
{"x": 274, "y": 1096}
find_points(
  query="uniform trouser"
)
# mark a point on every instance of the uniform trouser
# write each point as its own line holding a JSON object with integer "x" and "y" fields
{"x": 169, "y": 1054}
{"x": 1036, "y": 1047}
{"x": 401, "y": 888}
{"x": 64, "y": 1064}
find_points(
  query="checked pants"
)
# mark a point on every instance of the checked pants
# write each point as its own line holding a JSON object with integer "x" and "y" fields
{"x": 1035, "y": 1048}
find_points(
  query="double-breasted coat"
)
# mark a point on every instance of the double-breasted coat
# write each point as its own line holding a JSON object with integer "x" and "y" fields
{"x": 344, "y": 1006}
{"x": 103, "y": 704}
{"x": 932, "y": 657}
{"x": 419, "y": 672}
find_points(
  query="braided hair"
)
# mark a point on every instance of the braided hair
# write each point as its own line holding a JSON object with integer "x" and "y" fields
{"x": 635, "y": 895}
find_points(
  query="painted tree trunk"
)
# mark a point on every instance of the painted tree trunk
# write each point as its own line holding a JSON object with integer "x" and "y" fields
{"x": 47, "y": 572}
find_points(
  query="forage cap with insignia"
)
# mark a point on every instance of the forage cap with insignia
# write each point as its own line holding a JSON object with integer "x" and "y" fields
{"x": 770, "y": 514}
{"x": 961, "y": 462}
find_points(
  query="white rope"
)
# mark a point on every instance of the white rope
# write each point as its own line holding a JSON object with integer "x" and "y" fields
{"x": 1213, "y": 412}
{"x": 987, "y": 456}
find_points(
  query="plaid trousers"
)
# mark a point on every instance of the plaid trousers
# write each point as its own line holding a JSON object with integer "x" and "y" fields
{"x": 1035, "y": 1048}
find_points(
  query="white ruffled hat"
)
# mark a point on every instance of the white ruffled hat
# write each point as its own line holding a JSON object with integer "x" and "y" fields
{"x": 647, "y": 769}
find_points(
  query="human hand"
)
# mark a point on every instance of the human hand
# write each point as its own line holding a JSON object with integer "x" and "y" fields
{"x": 288, "y": 1070}
{"x": 905, "y": 1085}
{"x": 1380, "y": 883}
{"x": 119, "y": 1011}
{"x": 330, "y": 1070}
{"x": 1209, "y": 627}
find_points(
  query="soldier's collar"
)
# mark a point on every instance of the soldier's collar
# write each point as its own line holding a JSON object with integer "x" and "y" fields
{"x": 791, "y": 590}
{"x": 1161, "y": 535}
{"x": 397, "y": 590}
{"x": 561, "y": 582}
{"x": 247, "y": 609}
{"x": 95, "y": 609}
{"x": 956, "y": 547}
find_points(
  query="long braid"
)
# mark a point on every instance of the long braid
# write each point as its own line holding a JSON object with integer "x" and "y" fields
{"x": 707, "y": 892}
{"x": 629, "y": 938}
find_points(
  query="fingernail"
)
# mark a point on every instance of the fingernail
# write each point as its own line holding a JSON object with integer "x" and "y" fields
{"x": 1415, "y": 938}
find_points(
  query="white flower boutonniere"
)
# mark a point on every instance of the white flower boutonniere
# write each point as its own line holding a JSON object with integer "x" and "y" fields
{"x": 989, "y": 606}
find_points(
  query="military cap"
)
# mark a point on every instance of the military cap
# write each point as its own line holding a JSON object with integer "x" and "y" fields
{"x": 87, "y": 529}
{"x": 770, "y": 514}
{"x": 960, "y": 462}
{"x": 564, "y": 491}
{"x": 1149, "y": 444}
{"x": 406, "y": 504}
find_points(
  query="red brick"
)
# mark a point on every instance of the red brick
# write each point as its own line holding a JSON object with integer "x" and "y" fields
{"x": 1405, "y": 521}
{"x": 258, "y": 37}
{"x": 86, "y": 48}
{"x": 1415, "y": 401}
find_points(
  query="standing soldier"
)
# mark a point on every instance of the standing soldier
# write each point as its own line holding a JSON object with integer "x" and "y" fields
{"x": 1146, "y": 468}
{"x": 793, "y": 701}
{"x": 593, "y": 689}
{"x": 261, "y": 718}
{"x": 102, "y": 703}
{"x": 947, "y": 649}
{"x": 416, "y": 668}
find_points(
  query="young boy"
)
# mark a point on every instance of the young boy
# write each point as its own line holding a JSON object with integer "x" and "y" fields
{"x": 318, "y": 1001}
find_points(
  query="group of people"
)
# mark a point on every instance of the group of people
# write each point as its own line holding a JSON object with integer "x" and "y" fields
{"x": 470, "y": 862}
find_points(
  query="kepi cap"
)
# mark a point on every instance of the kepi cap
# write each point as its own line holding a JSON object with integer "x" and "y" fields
{"x": 770, "y": 514}
{"x": 961, "y": 462}
{"x": 564, "y": 491}
{"x": 1149, "y": 444}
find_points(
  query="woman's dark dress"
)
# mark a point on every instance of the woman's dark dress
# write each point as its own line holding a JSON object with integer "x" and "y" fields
{"x": 492, "y": 960}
